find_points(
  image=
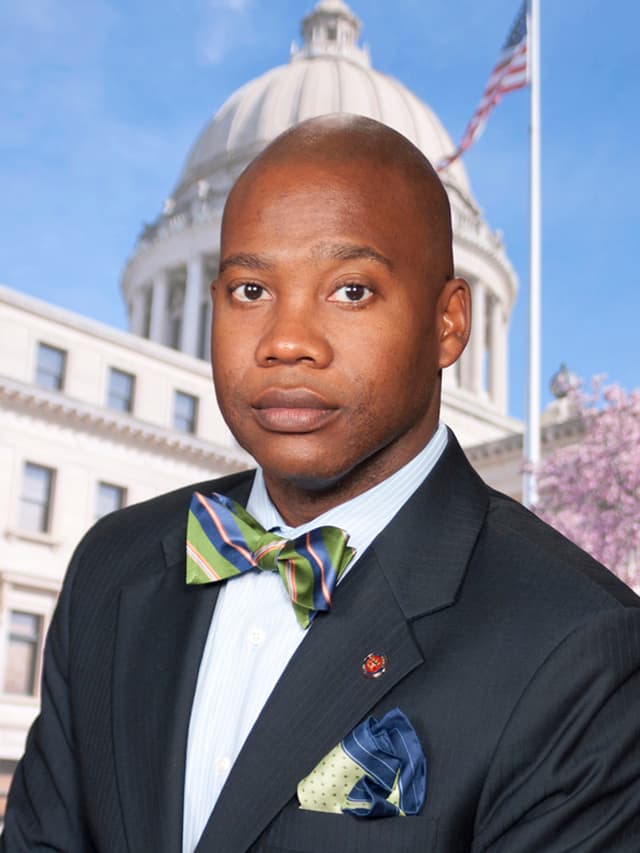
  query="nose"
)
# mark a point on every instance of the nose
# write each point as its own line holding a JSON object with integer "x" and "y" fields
{"x": 294, "y": 334}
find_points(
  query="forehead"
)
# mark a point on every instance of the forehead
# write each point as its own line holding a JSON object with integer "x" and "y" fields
{"x": 352, "y": 175}
{"x": 298, "y": 201}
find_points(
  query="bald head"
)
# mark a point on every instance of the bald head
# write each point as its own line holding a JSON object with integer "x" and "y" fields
{"x": 333, "y": 141}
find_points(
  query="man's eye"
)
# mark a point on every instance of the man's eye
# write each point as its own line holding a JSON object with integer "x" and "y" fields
{"x": 352, "y": 293}
{"x": 250, "y": 292}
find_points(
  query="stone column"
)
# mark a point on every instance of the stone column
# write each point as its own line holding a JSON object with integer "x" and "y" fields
{"x": 191, "y": 308}
{"x": 136, "y": 318}
{"x": 205, "y": 343}
{"x": 465, "y": 369}
{"x": 498, "y": 356}
{"x": 160, "y": 290}
{"x": 477, "y": 343}
{"x": 449, "y": 377}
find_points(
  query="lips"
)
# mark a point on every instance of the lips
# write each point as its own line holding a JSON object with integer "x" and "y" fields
{"x": 292, "y": 410}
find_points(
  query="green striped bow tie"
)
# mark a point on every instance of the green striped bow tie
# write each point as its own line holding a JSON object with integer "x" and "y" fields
{"x": 223, "y": 541}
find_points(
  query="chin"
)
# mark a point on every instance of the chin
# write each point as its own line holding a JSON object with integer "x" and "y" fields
{"x": 296, "y": 458}
{"x": 306, "y": 476}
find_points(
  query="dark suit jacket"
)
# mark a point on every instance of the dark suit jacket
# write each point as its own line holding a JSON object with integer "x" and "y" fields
{"x": 516, "y": 657}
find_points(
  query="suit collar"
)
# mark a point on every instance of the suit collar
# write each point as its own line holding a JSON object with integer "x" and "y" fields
{"x": 368, "y": 513}
{"x": 425, "y": 550}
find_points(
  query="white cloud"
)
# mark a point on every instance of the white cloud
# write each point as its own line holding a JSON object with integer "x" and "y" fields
{"x": 215, "y": 41}
{"x": 223, "y": 26}
{"x": 51, "y": 73}
{"x": 70, "y": 30}
{"x": 59, "y": 119}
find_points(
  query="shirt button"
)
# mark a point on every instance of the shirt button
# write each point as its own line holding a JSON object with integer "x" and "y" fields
{"x": 256, "y": 637}
{"x": 223, "y": 764}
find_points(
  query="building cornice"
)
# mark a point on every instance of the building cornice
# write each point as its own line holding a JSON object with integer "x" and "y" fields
{"x": 134, "y": 343}
{"x": 512, "y": 445}
{"x": 474, "y": 234}
{"x": 467, "y": 403}
{"x": 56, "y": 408}
{"x": 39, "y": 584}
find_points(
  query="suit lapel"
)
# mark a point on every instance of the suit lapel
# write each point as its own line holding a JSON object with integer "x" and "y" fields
{"x": 414, "y": 568}
{"x": 161, "y": 631}
{"x": 321, "y": 696}
{"x": 162, "y": 628}
{"x": 426, "y": 548}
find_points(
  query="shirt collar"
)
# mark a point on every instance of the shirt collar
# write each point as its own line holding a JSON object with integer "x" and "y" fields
{"x": 364, "y": 516}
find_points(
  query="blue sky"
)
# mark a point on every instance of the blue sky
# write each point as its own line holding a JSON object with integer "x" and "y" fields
{"x": 102, "y": 100}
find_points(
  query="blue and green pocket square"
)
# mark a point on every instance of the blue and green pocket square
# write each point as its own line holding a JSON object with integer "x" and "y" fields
{"x": 378, "y": 770}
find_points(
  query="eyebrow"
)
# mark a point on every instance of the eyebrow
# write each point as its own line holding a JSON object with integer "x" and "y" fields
{"x": 246, "y": 260}
{"x": 332, "y": 251}
{"x": 351, "y": 252}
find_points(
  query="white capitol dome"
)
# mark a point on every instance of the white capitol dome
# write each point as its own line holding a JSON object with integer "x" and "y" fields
{"x": 165, "y": 282}
{"x": 327, "y": 75}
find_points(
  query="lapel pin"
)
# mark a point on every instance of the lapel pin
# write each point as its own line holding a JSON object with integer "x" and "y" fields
{"x": 374, "y": 665}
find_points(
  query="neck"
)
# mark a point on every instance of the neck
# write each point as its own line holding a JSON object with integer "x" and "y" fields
{"x": 300, "y": 503}
{"x": 301, "y": 500}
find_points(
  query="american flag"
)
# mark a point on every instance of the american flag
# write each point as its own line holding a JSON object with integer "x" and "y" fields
{"x": 509, "y": 74}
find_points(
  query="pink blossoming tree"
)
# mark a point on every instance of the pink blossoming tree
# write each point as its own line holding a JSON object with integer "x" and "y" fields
{"x": 590, "y": 490}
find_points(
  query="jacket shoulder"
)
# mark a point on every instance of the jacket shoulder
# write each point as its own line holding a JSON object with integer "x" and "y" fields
{"x": 549, "y": 558}
{"x": 164, "y": 508}
{"x": 130, "y": 542}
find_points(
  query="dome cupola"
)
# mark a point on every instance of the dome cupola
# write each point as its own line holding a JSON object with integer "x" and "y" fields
{"x": 331, "y": 30}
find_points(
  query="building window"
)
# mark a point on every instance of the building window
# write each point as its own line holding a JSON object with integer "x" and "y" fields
{"x": 120, "y": 391}
{"x": 35, "y": 501}
{"x": 7, "y": 769}
{"x": 23, "y": 648}
{"x": 50, "y": 367}
{"x": 109, "y": 498}
{"x": 185, "y": 412}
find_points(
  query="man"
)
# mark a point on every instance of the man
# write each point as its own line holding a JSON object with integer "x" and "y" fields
{"x": 181, "y": 717}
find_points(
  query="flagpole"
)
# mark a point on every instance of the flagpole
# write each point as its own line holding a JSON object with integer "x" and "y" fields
{"x": 532, "y": 429}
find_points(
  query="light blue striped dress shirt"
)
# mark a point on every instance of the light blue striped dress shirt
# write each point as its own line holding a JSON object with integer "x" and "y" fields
{"x": 254, "y": 633}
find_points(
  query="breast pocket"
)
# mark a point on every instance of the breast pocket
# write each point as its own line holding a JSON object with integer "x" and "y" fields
{"x": 298, "y": 831}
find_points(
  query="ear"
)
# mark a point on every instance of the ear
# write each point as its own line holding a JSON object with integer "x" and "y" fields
{"x": 454, "y": 320}
{"x": 212, "y": 288}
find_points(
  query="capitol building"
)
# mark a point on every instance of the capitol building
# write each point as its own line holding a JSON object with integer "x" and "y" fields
{"x": 165, "y": 282}
{"x": 94, "y": 418}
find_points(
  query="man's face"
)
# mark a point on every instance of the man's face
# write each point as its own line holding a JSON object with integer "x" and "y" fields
{"x": 325, "y": 334}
